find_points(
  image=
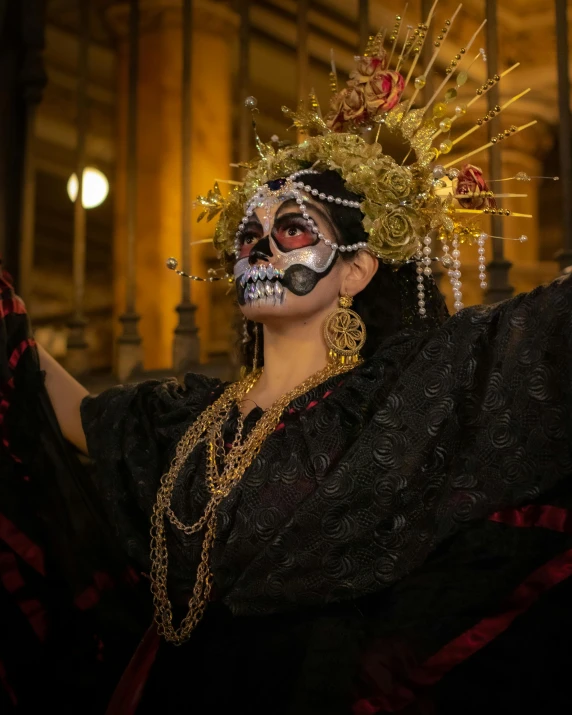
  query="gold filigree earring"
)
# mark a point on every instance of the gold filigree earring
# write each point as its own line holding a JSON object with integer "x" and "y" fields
{"x": 344, "y": 333}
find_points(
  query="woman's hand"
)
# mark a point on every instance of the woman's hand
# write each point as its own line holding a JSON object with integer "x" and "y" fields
{"x": 66, "y": 395}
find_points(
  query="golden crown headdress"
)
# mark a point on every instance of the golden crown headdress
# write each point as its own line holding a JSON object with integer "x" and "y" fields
{"x": 407, "y": 205}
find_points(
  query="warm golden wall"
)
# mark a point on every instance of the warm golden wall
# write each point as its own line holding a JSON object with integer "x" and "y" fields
{"x": 216, "y": 115}
{"x": 159, "y": 166}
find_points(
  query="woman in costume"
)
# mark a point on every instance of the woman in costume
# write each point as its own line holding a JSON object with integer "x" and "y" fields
{"x": 373, "y": 519}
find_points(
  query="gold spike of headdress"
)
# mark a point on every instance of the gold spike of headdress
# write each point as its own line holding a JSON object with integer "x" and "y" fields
{"x": 404, "y": 204}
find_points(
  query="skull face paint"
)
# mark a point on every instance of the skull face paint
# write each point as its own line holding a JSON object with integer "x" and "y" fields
{"x": 280, "y": 253}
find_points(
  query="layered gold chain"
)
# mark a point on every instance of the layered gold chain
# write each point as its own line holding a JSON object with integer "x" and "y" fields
{"x": 208, "y": 428}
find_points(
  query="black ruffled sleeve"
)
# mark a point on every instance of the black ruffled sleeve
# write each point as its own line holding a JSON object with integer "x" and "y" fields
{"x": 432, "y": 434}
{"x": 131, "y": 432}
{"x": 480, "y": 419}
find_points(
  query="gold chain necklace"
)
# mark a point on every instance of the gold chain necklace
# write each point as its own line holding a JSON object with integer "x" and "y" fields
{"x": 209, "y": 428}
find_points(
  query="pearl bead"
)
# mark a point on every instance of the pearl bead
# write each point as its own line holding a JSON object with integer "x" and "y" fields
{"x": 250, "y": 102}
{"x": 342, "y": 249}
{"x": 484, "y": 285}
{"x": 338, "y": 200}
{"x": 344, "y": 202}
{"x": 322, "y": 196}
{"x": 315, "y": 192}
{"x": 427, "y": 271}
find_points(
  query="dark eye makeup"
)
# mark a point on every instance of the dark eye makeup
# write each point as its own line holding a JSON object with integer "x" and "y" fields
{"x": 291, "y": 231}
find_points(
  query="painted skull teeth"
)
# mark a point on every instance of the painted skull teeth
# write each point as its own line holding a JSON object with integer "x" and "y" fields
{"x": 255, "y": 273}
{"x": 264, "y": 290}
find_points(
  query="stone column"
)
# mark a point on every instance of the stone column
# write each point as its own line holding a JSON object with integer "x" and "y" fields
{"x": 159, "y": 160}
{"x": 77, "y": 359}
{"x": 33, "y": 80}
{"x": 129, "y": 347}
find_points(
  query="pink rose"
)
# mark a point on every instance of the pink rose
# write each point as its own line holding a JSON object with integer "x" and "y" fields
{"x": 366, "y": 67}
{"x": 383, "y": 91}
{"x": 347, "y": 106}
{"x": 471, "y": 181}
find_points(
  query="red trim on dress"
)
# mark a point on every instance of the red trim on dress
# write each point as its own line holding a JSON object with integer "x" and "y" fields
{"x": 540, "y": 515}
{"x": 22, "y": 545}
{"x": 30, "y": 607}
{"x": 127, "y": 696}
{"x": 485, "y": 631}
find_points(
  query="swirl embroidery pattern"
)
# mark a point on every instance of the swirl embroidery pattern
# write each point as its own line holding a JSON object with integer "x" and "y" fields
{"x": 356, "y": 489}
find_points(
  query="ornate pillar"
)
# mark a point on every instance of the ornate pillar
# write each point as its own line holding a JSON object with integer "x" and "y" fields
{"x": 564, "y": 256}
{"x": 499, "y": 267}
{"x": 77, "y": 357}
{"x": 129, "y": 347}
{"x": 244, "y": 82}
{"x": 33, "y": 80}
{"x": 186, "y": 346}
{"x": 159, "y": 159}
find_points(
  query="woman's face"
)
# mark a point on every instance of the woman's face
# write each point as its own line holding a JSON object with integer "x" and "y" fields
{"x": 284, "y": 269}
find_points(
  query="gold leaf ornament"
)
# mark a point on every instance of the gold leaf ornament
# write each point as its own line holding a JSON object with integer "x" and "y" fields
{"x": 212, "y": 204}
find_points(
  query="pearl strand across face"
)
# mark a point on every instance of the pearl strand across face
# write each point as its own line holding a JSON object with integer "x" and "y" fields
{"x": 300, "y": 192}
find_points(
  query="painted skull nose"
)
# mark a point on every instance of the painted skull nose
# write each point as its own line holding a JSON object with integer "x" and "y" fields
{"x": 260, "y": 252}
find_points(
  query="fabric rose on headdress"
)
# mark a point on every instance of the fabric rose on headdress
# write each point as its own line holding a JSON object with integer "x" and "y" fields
{"x": 397, "y": 181}
{"x": 367, "y": 67}
{"x": 392, "y": 234}
{"x": 347, "y": 106}
{"x": 472, "y": 182}
{"x": 372, "y": 90}
{"x": 383, "y": 91}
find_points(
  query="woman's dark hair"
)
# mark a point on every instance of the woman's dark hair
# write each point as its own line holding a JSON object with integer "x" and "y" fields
{"x": 388, "y": 304}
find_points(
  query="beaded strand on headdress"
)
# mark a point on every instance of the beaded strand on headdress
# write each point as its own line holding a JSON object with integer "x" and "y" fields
{"x": 295, "y": 188}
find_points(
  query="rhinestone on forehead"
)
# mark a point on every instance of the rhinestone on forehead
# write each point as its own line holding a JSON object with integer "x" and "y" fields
{"x": 291, "y": 187}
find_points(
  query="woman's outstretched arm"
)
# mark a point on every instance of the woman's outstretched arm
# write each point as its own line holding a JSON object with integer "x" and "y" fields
{"x": 66, "y": 395}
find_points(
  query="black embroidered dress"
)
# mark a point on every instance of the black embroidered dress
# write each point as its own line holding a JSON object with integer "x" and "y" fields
{"x": 400, "y": 544}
